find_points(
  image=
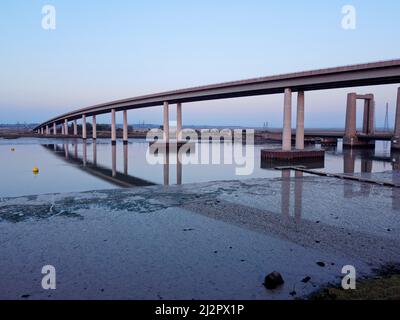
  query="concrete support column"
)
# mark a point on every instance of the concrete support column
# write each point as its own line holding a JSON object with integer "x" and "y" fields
{"x": 94, "y": 128}
{"x": 300, "y": 121}
{"x": 287, "y": 121}
{"x": 166, "y": 122}
{"x": 47, "y": 130}
{"x": 66, "y": 127}
{"x": 41, "y": 131}
{"x": 84, "y": 134}
{"x": 369, "y": 115}
{"x": 350, "y": 137}
{"x": 113, "y": 128}
{"x": 179, "y": 122}
{"x": 396, "y": 138}
{"x": 75, "y": 128}
{"x": 125, "y": 127}
{"x": 54, "y": 128}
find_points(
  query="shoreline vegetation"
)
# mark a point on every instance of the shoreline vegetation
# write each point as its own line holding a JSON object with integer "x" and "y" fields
{"x": 383, "y": 285}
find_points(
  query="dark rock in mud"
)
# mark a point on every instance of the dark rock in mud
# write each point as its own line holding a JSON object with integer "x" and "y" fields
{"x": 273, "y": 280}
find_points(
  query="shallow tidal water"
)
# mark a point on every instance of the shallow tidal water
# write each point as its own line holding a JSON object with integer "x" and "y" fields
{"x": 69, "y": 165}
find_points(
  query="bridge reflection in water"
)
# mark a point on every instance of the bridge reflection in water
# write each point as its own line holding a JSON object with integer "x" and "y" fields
{"x": 350, "y": 188}
{"x": 69, "y": 152}
{"x": 120, "y": 179}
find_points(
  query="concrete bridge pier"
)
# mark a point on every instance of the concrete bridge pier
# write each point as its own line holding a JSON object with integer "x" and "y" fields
{"x": 66, "y": 127}
{"x": 75, "y": 124}
{"x": 396, "y": 137}
{"x": 287, "y": 121}
{"x": 287, "y": 153}
{"x": 166, "y": 123}
{"x": 125, "y": 127}
{"x": 94, "y": 128}
{"x": 179, "y": 122}
{"x": 84, "y": 134}
{"x": 351, "y": 139}
{"x": 300, "y": 121}
{"x": 113, "y": 128}
{"x": 369, "y": 115}
{"x": 47, "y": 130}
{"x": 54, "y": 128}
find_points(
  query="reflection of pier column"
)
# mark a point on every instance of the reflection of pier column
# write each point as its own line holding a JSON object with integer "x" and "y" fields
{"x": 113, "y": 128}
{"x": 349, "y": 161}
{"x": 166, "y": 122}
{"x": 94, "y": 153}
{"x": 94, "y": 128}
{"x": 300, "y": 121}
{"x": 75, "y": 124}
{"x": 287, "y": 121}
{"x": 166, "y": 168}
{"x": 366, "y": 167}
{"x": 66, "y": 150}
{"x": 298, "y": 196}
{"x": 285, "y": 195}
{"x": 125, "y": 146}
{"x": 396, "y": 138}
{"x": 178, "y": 121}
{"x": 84, "y": 146}
{"x": 178, "y": 169}
{"x": 114, "y": 159}
{"x": 396, "y": 180}
{"x": 76, "y": 151}
{"x": 84, "y": 134}
{"x": 125, "y": 127}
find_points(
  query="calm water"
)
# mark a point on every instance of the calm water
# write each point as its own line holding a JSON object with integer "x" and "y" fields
{"x": 71, "y": 165}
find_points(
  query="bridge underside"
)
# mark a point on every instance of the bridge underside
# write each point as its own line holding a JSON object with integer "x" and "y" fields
{"x": 379, "y": 73}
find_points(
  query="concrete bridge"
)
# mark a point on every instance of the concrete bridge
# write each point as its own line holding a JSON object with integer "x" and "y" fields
{"x": 377, "y": 73}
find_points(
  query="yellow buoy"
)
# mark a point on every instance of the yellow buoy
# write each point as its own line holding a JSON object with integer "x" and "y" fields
{"x": 35, "y": 170}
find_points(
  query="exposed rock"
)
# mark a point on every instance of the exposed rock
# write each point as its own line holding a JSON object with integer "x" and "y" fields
{"x": 273, "y": 280}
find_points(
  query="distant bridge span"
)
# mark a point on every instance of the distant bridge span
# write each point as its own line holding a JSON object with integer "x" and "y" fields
{"x": 376, "y": 73}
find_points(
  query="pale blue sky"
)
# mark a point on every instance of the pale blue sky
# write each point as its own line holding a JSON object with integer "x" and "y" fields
{"x": 106, "y": 50}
